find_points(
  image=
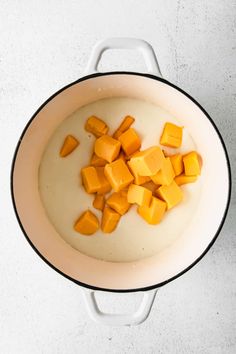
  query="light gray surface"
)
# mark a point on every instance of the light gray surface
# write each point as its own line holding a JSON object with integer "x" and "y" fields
{"x": 43, "y": 46}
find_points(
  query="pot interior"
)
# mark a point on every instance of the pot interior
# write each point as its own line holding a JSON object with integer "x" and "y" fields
{"x": 197, "y": 234}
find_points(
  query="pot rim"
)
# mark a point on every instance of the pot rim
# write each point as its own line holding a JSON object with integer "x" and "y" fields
{"x": 149, "y": 76}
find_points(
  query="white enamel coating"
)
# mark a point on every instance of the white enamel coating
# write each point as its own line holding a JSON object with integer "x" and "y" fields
{"x": 146, "y": 272}
{"x": 139, "y": 316}
{"x": 140, "y": 45}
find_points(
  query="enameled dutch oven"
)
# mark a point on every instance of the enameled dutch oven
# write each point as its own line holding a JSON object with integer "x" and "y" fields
{"x": 151, "y": 273}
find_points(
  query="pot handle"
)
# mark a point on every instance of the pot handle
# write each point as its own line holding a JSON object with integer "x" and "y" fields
{"x": 140, "y": 45}
{"x": 139, "y": 316}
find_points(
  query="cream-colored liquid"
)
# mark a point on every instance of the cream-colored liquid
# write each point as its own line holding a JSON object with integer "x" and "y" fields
{"x": 64, "y": 198}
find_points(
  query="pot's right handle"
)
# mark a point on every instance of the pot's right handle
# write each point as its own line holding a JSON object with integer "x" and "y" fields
{"x": 139, "y": 316}
{"x": 140, "y": 45}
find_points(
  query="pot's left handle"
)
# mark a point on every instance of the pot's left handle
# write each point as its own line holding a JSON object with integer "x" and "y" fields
{"x": 139, "y": 45}
{"x": 139, "y": 316}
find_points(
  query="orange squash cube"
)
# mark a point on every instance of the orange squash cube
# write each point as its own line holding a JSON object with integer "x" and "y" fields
{"x": 154, "y": 213}
{"x": 148, "y": 162}
{"x": 165, "y": 175}
{"x": 90, "y": 179}
{"x": 139, "y": 195}
{"x": 69, "y": 145}
{"x": 130, "y": 141}
{"x": 192, "y": 166}
{"x": 99, "y": 201}
{"x": 177, "y": 163}
{"x": 107, "y": 148}
{"x": 87, "y": 224}
{"x": 183, "y": 179}
{"x": 105, "y": 185}
{"x": 171, "y": 194}
{"x": 97, "y": 161}
{"x": 118, "y": 175}
{"x": 118, "y": 202}
{"x": 171, "y": 135}
{"x": 125, "y": 125}
{"x": 110, "y": 219}
{"x": 137, "y": 179}
{"x": 96, "y": 126}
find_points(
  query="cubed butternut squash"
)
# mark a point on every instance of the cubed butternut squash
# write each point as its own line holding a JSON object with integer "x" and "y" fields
{"x": 99, "y": 201}
{"x": 165, "y": 175}
{"x": 183, "y": 179}
{"x": 87, "y": 224}
{"x": 125, "y": 125}
{"x": 148, "y": 162}
{"x": 110, "y": 219}
{"x": 69, "y": 145}
{"x": 192, "y": 164}
{"x": 137, "y": 179}
{"x": 107, "y": 148}
{"x": 118, "y": 175}
{"x": 90, "y": 179}
{"x": 118, "y": 202}
{"x": 105, "y": 185}
{"x": 177, "y": 163}
{"x": 153, "y": 213}
{"x": 171, "y": 135}
{"x": 139, "y": 195}
{"x": 97, "y": 161}
{"x": 130, "y": 141}
{"x": 96, "y": 126}
{"x": 171, "y": 194}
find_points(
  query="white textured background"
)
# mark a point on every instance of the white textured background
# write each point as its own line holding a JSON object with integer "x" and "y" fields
{"x": 43, "y": 46}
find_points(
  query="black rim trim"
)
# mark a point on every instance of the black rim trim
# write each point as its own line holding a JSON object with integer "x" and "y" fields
{"x": 135, "y": 289}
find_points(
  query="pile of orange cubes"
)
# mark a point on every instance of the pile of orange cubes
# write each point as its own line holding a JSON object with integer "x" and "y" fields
{"x": 120, "y": 174}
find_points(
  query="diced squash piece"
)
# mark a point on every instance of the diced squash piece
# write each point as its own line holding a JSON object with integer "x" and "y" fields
{"x": 130, "y": 141}
{"x": 69, "y": 145}
{"x": 125, "y": 125}
{"x": 183, "y": 179}
{"x": 177, "y": 163}
{"x": 137, "y": 179}
{"x": 96, "y": 126}
{"x": 171, "y": 135}
{"x": 150, "y": 185}
{"x": 105, "y": 185}
{"x": 118, "y": 202}
{"x": 87, "y": 224}
{"x": 90, "y": 179}
{"x": 148, "y": 162}
{"x": 107, "y": 148}
{"x": 110, "y": 219}
{"x": 154, "y": 213}
{"x": 139, "y": 195}
{"x": 97, "y": 161}
{"x": 171, "y": 194}
{"x": 118, "y": 175}
{"x": 191, "y": 164}
{"x": 165, "y": 175}
{"x": 99, "y": 201}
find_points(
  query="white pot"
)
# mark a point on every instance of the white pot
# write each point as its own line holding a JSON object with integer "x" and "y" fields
{"x": 150, "y": 273}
